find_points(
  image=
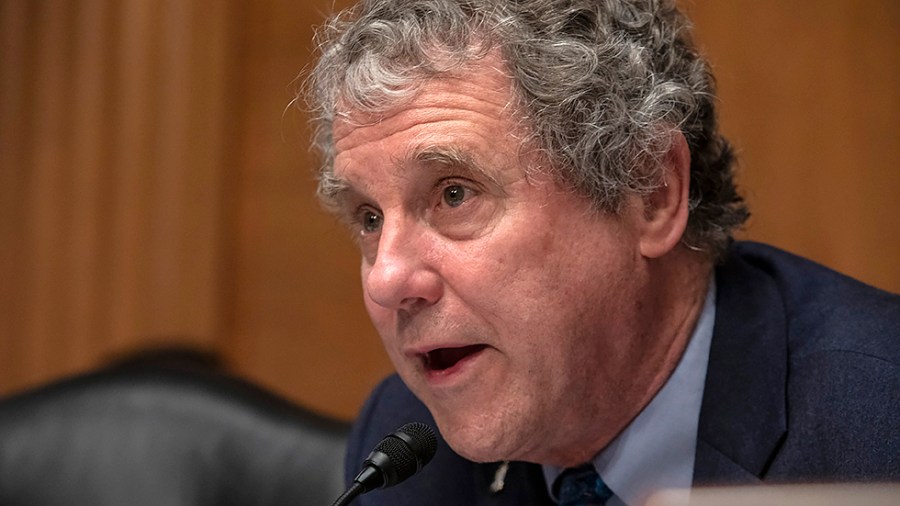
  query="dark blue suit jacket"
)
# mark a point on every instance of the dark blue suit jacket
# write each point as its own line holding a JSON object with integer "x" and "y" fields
{"x": 803, "y": 385}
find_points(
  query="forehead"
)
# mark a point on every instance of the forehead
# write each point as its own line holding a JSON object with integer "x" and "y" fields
{"x": 481, "y": 93}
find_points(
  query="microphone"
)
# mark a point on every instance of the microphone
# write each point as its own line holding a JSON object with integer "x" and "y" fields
{"x": 398, "y": 456}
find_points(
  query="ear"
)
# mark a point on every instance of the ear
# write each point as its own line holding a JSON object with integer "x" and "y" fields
{"x": 666, "y": 208}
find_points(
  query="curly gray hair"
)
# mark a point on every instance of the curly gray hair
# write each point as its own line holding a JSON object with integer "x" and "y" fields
{"x": 602, "y": 84}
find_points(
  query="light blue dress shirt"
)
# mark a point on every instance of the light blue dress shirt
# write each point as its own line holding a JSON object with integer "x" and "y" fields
{"x": 656, "y": 450}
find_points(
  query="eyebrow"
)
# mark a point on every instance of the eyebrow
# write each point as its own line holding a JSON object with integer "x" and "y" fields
{"x": 336, "y": 191}
{"x": 450, "y": 157}
{"x": 332, "y": 191}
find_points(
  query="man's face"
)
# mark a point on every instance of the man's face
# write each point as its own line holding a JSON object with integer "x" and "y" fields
{"x": 506, "y": 303}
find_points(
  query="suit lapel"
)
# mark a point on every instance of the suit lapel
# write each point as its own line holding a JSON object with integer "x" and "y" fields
{"x": 742, "y": 419}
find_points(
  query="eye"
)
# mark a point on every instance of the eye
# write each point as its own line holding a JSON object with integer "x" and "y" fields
{"x": 455, "y": 195}
{"x": 461, "y": 208}
{"x": 370, "y": 221}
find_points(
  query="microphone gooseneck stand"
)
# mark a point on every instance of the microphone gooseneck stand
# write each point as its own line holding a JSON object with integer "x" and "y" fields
{"x": 355, "y": 490}
{"x": 398, "y": 456}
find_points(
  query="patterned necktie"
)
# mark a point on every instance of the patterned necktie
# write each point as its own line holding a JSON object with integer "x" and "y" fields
{"x": 581, "y": 486}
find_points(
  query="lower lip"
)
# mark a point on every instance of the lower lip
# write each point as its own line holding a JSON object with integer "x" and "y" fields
{"x": 455, "y": 373}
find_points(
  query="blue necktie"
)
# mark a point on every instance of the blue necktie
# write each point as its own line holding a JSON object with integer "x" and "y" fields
{"x": 581, "y": 486}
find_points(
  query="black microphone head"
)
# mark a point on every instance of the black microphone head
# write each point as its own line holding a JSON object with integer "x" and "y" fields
{"x": 402, "y": 453}
{"x": 421, "y": 439}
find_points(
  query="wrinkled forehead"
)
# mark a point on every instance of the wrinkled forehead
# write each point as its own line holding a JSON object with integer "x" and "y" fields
{"x": 486, "y": 79}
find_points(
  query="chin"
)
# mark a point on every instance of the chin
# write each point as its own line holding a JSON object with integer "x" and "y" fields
{"x": 476, "y": 449}
{"x": 481, "y": 440}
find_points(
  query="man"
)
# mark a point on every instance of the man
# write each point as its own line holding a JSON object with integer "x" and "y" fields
{"x": 544, "y": 208}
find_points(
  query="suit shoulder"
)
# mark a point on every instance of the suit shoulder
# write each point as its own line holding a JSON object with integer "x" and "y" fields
{"x": 826, "y": 311}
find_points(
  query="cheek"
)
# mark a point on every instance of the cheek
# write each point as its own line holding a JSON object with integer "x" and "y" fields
{"x": 571, "y": 290}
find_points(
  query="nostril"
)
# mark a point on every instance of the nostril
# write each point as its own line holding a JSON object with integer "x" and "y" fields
{"x": 411, "y": 305}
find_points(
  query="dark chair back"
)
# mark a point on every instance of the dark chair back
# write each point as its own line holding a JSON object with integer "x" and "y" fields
{"x": 165, "y": 437}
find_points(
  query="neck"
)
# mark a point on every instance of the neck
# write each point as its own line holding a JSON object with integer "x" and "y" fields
{"x": 678, "y": 286}
{"x": 670, "y": 303}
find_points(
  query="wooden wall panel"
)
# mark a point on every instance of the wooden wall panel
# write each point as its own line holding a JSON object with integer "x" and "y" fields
{"x": 88, "y": 102}
{"x": 14, "y": 124}
{"x": 112, "y": 180}
{"x": 298, "y": 323}
{"x": 44, "y": 227}
{"x": 810, "y": 95}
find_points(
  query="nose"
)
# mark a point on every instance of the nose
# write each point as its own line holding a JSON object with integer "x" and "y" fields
{"x": 402, "y": 276}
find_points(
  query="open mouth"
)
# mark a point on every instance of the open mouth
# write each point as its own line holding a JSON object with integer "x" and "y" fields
{"x": 443, "y": 359}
